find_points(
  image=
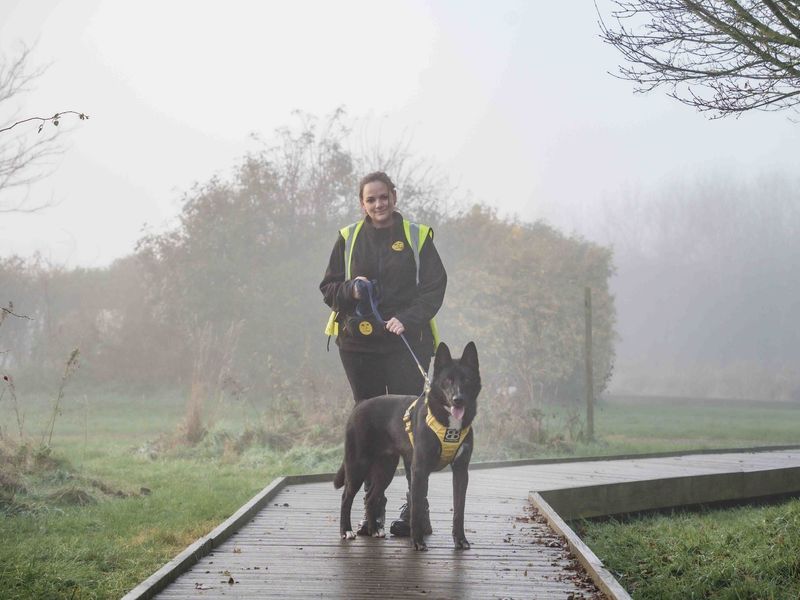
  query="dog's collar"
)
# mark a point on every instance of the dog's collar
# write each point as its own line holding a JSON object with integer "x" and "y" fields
{"x": 450, "y": 440}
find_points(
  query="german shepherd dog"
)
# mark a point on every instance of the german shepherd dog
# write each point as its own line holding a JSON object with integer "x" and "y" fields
{"x": 377, "y": 437}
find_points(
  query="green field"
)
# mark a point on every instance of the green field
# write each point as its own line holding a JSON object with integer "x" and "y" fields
{"x": 663, "y": 424}
{"x": 119, "y": 494}
{"x": 748, "y": 552}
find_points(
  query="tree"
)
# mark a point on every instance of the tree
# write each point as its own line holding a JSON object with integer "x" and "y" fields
{"x": 722, "y": 56}
{"x": 519, "y": 290}
{"x": 23, "y": 161}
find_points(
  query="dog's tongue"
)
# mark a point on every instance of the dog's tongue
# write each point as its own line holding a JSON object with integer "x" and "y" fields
{"x": 457, "y": 412}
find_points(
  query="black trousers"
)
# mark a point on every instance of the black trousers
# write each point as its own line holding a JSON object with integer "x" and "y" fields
{"x": 372, "y": 374}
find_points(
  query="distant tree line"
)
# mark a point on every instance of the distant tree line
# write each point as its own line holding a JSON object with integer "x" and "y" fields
{"x": 708, "y": 288}
{"x": 230, "y": 295}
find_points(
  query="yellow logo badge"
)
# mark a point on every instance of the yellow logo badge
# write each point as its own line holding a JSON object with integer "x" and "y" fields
{"x": 365, "y": 327}
{"x": 398, "y": 246}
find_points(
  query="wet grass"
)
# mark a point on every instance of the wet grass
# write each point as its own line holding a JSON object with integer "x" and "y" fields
{"x": 742, "y": 553}
{"x": 116, "y": 496}
{"x": 647, "y": 425}
{"x": 670, "y": 424}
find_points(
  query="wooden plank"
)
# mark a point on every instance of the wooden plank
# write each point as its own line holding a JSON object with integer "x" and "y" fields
{"x": 507, "y": 557}
{"x": 296, "y": 532}
{"x": 496, "y": 464}
{"x": 593, "y": 565}
{"x": 170, "y": 571}
{"x": 620, "y": 498}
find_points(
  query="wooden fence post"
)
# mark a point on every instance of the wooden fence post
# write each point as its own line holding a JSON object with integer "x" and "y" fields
{"x": 589, "y": 373}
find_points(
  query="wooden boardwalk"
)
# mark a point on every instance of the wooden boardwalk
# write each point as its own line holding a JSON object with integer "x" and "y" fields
{"x": 291, "y": 548}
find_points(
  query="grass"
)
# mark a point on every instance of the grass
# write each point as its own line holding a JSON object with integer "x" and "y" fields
{"x": 99, "y": 551}
{"x": 657, "y": 425}
{"x": 743, "y": 553}
{"x": 636, "y": 426}
{"x": 60, "y": 549}
{"x": 164, "y": 495}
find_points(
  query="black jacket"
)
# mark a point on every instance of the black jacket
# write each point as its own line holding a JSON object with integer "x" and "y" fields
{"x": 377, "y": 255}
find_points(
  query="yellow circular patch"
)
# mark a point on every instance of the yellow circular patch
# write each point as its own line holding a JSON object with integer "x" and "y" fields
{"x": 398, "y": 246}
{"x": 365, "y": 327}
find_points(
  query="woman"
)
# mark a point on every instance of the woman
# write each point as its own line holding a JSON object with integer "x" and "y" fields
{"x": 400, "y": 259}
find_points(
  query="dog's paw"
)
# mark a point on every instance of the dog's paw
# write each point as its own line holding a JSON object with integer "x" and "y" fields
{"x": 348, "y": 535}
{"x": 462, "y": 544}
{"x": 421, "y": 546}
{"x": 380, "y": 533}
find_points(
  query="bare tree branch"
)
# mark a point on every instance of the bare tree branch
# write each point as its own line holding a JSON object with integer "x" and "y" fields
{"x": 54, "y": 119}
{"x": 16, "y": 75}
{"x": 722, "y": 56}
{"x": 23, "y": 160}
{"x": 6, "y": 312}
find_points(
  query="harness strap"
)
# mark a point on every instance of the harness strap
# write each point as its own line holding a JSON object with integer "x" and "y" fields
{"x": 450, "y": 440}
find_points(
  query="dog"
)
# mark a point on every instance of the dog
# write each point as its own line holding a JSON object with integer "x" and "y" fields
{"x": 428, "y": 433}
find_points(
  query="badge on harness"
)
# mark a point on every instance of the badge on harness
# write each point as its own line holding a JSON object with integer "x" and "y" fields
{"x": 365, "y": 327}
{"x": 452, "y": 435}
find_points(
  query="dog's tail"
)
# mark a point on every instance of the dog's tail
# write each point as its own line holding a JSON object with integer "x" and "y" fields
{"x": 338, "y": 481}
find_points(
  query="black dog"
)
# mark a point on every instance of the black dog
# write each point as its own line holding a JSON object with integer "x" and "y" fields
{"x": 428, "y": 432}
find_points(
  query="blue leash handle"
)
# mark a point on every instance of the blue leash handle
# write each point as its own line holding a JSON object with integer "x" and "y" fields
{"x": 366, "y": 289}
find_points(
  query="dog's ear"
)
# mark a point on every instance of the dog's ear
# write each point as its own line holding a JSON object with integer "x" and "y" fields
{"x": 443, "y": 357}
{"x": 470, "y": 356}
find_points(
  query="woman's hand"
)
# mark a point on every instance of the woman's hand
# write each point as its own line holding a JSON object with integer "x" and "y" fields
{"x": 395, "y": 326}
{"x": 356, "y": 295}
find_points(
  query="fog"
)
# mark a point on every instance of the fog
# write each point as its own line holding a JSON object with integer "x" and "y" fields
{"x": 706, "y": 289}
{"x": 510, "y": 105}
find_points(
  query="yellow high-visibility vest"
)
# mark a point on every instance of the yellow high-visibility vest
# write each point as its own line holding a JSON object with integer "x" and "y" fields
{"x": 416, "y": 235}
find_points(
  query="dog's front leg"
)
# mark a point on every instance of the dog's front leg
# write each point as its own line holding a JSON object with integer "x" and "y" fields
{"x": 460, "y": 482}
{"x": 419, "y": 497}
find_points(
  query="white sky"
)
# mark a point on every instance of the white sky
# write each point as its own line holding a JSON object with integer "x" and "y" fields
{"x": 512, "y": 99}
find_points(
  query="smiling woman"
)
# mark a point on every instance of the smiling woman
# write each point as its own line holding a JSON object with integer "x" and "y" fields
{"x": 400, "y": 259}
{"x": 378, "y": 202}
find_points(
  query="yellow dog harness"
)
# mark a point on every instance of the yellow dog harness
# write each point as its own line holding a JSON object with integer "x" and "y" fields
{"x": 450, "y": 440}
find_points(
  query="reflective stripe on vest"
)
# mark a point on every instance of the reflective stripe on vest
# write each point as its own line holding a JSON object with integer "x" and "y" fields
{"x": 349, "y": 234}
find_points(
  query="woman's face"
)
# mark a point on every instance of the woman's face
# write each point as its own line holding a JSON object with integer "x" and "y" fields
{"x": 378, "y": 202}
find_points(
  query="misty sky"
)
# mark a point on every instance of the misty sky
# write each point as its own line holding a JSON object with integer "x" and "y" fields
{"x": 511, "y": 99}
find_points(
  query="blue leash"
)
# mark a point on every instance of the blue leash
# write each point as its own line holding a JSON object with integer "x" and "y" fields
{"x": 366, "y": 289}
